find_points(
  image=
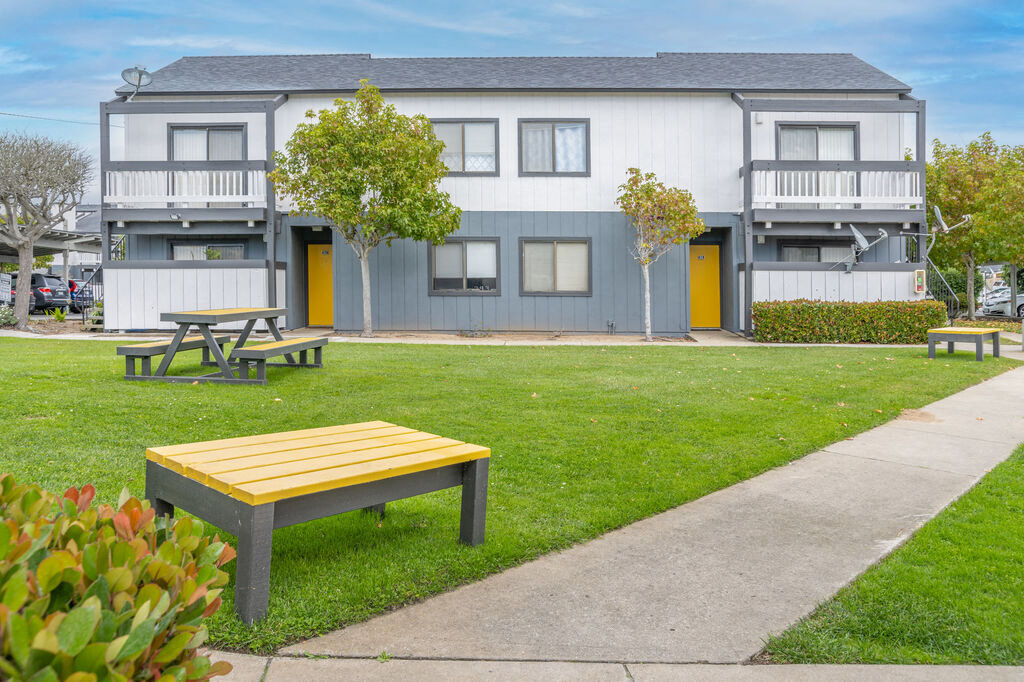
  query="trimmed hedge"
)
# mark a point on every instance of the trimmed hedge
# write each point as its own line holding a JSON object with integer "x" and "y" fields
{"x": 97, "y": 593}
{"x": 804, "y": 321}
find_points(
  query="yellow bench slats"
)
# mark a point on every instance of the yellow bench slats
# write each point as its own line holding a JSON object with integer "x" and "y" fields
{"x": 158, "y": 454}
{"x": 276, "y": 466}
{"x": 219, "y": 311}
{"x": 278, "y": 344}
{"x": 262, "y": 492}
{"x": 187, "y": 339}
{"x": 963, "y": 330}
{"x": 200, "y": 470}
{"x": 226, "y": 482}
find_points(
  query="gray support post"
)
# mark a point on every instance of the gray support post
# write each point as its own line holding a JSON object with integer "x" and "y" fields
{"x": 215, "y": 350}
{"x": 129, "y": 365}
{"x": 147, "y": 365}
{"x": 995, "y": 344}
{"x": 172, "y": 349}
{"x": 271, "y": 219}
{"x": 949, "y": 347}
{"x": 1012, "y": 312}
{"x": 377, "y": 509}
{"x": 474, "y": 502}
{"x": 66, "y": 255}
{"x": 931, "y": 347}
{"x": 252, "y": 576}
{"x": 922, "y": 157}
{"x": 748, "y": 224}
{"x": 979, "y": 348}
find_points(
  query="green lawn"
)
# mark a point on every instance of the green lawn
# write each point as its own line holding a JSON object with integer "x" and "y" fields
{"x": 953, "y": 594}
{"x": 583, "y": 439}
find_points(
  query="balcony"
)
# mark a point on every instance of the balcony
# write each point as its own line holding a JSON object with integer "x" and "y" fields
{"x": 185, "y": 190}
{"x": 836, "y": 191}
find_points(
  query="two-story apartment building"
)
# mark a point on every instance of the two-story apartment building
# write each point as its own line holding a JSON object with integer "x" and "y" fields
{"x": 781, "y": 152}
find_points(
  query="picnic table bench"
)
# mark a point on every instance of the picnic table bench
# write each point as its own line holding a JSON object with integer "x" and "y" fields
{"x": 250, "y": 486}
{"x": 953, "y": 334}
{"x": 240, "y": 358}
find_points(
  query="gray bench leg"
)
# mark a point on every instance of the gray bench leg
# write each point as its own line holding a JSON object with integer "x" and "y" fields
{"x": 252, "y": 576}
{"x": 243, "y": 369}
{"x": 995, "y": 345}
{"x": 949, "y": 347}
{"x": 377, "y": 509}
{"x": 931, "y": 348}
{"x": 302, "y": 357}
{"x": 261, "y": 370}
{"x": 979, "y": 348}
{"x": 161, "y": 507}
{"x": 318, "y": 356}
{"x": 147, "y": 366}
{"x": 474, "y": 502}
{"x": 129, "y": 366}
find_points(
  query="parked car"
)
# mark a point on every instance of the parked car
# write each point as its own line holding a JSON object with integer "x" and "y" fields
{"x": 999, "y": 304}
{"x": 49, "y": 292}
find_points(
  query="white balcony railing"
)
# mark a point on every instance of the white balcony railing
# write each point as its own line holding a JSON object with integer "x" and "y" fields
{"x": 185, "y": 188}
{"x": 789, "y": 187}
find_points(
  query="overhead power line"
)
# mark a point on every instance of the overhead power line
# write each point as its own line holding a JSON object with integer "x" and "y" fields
{"x": 59, "y": 120}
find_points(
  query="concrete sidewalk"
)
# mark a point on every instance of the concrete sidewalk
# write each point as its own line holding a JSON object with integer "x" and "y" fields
{"x": 708, "y": 581}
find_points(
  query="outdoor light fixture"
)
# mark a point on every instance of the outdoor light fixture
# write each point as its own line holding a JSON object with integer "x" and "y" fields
{"x": 138, "y": 77}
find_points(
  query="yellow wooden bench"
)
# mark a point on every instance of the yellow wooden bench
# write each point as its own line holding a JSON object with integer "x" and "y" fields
{"x": 953, "y": 334}
{"x": 250, "y": 486}
{"x": 260, "y": 353}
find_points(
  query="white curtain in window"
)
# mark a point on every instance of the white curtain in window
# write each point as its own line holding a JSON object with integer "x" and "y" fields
{"x": 835, "y": 144}
{"x": 835, "y": 253}
{"x": 481, "y": 259}
{"x": 479, "y": 147}
{"x": 451, "y": 135}
{"x": 570, "y": 147}
{"x": 798, "y": 144}
{"x": 448, "y": 261}
{"x": 226, "y": 145}
{"x": 538, "y": 266}
{"x": 189, "y": 144}
{"x": 572, "y": 266}
{"x": 189, "y": 252}
{"x": 799, "y": 254}
{"x": 537, "y": 148}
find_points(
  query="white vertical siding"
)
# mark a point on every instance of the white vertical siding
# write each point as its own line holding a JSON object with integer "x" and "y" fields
{"x": 834, "y": 285}
{"x": 136, "y": 297}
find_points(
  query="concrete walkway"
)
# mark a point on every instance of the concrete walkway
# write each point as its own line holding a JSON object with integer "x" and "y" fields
{"x": 705, "y": 582}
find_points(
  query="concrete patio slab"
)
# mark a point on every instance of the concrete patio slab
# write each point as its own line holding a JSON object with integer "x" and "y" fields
{"x": 708, "y": 581}
{"x": 814, "y": 673}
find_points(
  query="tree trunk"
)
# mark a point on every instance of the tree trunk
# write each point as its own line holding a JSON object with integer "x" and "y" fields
{"x": 24, "y": 286}
{"x": 972, "y": 304}
{"x": 364, "y": 267}
{"x": 644, "y": 268}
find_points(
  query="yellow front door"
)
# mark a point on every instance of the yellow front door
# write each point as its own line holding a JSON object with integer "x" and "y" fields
{"x": 320, "y": 285}
{"x": 705, "y": 286}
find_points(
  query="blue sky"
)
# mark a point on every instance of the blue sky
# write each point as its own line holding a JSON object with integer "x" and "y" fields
{"x": 60, "y": 58}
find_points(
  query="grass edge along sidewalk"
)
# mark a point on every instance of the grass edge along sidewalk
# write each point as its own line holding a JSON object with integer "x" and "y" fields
{"x": 584, "y": 440}
{"x": 953, "y": 593}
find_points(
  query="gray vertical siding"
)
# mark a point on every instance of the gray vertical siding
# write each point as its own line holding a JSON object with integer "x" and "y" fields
{"x": 399, "y": 282}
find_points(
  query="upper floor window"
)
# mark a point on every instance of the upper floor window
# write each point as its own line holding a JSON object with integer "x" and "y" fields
{"x": 814, "y": 253}
{"x": 549, "y": 147}
{"x": 553, "y": 267}
{"x": 207, "y": 143}
{"x": 463, "y": 265}
{"x": 470, "y": 146}
{"x": 816, "y": 142}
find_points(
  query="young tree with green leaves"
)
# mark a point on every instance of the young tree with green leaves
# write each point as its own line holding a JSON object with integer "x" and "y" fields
{"x": 662, "y": 217}
{"x": 40, "y": 181}
{"x": 986, "y": 181}
{"x": 370, "y": 171}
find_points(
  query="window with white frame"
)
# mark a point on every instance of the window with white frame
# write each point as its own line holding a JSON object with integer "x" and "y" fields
{"x": 555, "y": 267}
{"x": 464, "y": 266}
{"x": 204, "y": 251}
{"x": 470, "y": 147}
{"x": 554, "y": 147}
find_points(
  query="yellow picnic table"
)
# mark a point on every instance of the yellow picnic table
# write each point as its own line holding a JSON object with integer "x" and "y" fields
{"x": 251, "y": 485}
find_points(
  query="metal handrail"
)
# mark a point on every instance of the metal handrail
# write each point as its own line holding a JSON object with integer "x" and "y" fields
{"x": 951, "y": 300}
{"x": 117, "y": 248}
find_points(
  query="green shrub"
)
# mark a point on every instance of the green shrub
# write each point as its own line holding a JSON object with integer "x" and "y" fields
{"x": 102, "y": 594}
{"x": 7, "y": 317}
{"x": 805, "y": 321}
{"x": 957, "y": 280}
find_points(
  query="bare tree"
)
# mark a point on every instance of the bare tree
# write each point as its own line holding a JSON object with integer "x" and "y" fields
{"x": 40, "y": 180}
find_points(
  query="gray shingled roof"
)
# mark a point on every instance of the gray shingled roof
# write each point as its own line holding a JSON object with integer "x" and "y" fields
{"x": 669, "y": 71}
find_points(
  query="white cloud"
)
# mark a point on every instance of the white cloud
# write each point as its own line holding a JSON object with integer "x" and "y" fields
{"x": 490, "y": 24}
{"x": 12, "y": 62}
{"x": 201, "y": 42}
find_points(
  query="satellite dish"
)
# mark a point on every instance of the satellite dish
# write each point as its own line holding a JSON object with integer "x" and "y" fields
{"x": 138, "y": 77}
{"x": 941, "y": 224}
{"x": 860, "y": 245}
{"x": 861, "y": 240}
